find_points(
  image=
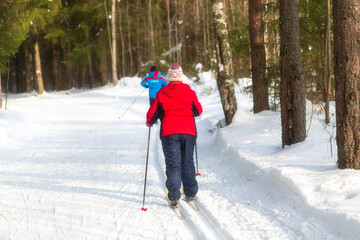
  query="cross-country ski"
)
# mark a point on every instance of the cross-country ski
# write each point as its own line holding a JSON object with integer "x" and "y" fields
{"x": 177, "y": 211}
{"x": 192, "y": 204}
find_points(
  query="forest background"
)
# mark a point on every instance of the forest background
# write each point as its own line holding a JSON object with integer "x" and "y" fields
{"x": 73, "y": 39}
{"x": 284, "y": 46}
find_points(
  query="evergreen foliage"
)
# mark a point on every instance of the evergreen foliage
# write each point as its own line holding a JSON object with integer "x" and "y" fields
{"x": 80, "y": 32}
{"x": 14, "y": 26}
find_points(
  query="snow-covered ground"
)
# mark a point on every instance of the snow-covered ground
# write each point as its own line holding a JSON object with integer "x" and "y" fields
{"x": 72, "y": 166}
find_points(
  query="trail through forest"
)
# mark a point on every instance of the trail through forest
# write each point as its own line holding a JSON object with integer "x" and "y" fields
{"x": 73, "y": 164}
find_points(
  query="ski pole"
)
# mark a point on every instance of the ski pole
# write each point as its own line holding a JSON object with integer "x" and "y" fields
{"x": 132, "y": 104}
{"x": 147, "y": 160}
{"x": 197, "y": 162}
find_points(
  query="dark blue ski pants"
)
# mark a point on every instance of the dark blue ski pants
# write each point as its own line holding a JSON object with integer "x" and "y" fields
{"x": 178, "y": 151}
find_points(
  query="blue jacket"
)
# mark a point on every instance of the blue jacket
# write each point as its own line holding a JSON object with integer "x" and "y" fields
{"x": 154, "y": 81}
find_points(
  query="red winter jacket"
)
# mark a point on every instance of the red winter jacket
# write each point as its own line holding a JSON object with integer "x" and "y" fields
{"x": 176, "y": 105}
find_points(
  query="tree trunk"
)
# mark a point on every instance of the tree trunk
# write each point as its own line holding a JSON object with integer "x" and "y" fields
{"x": 122, "y": 44}
{"x": 138, "y": 37}
{"x": 197, "y": 28}
{"x": 177, "y": 37}
{"x": 40, "y": 82}
{"x": 151, "y": 30}
{"x": 292, "y": 92}
{"x": 129, "y": 40}
{"x": 29, "y": 79}
{"x": 210, "y": 39}
{"x": 113, "y": 49}
{"x": 19, "y": 69}
{"x": 327, "y": 72}
{"x": 7, "y": 83}
{"x": 258, "y": 56}
{"x": 56, "y": 60}
{"x": 205, "y": 21}
{"x": 169, "y": 28}
{"x": 182, "y": 51}
{"x": 225, "y": 81}
{"x": 272, "y": 55}
{"x": 232, "y": 11}
{"x": 89, "y": 60}
{"x": 69, "y": 78}
{"x": 347, "y": 80}
{"x": 103, "y": 68}
{"x": 80, "y": 80}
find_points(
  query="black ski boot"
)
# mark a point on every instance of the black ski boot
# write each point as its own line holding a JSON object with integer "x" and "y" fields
{"x": 174, "y": 203}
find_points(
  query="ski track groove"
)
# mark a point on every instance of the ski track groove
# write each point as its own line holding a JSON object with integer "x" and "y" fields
{"x": 26, "y": 206}
{"x": 118, "y": 189}
{"x": 106, "y": 202}
{"x": 190, "y": 219}
{"x": 56, "y": 223}
{"x": 211, "y": 221}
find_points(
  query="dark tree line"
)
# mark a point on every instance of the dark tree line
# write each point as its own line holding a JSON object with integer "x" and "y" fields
{"x": 75, "y": 39}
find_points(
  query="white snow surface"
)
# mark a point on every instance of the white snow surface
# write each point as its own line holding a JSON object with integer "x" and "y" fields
{"x": 72, "y": 166}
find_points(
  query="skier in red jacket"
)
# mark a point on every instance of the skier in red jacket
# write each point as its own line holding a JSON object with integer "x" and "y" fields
{"x": 176, "y": 105}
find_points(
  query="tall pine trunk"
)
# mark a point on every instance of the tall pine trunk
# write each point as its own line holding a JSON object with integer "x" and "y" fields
{"x": 205, "y": 24}
{"x": 130, "y": 71}
{"x": 151, "y": 30}
{"x": 225, "y": 81}
{"x": 90, "y": 71}
{"x": 19, "y": 69}
{"x": 180, "y": 8}
{"x": 56, "y": 61}
{"x": 327, "y": 72}
{"x": 347, "y": 81}
{"x": 103, "y": 68}
{"x": 197, "y": 28}
{"x": 138, "y": 45}
{"x": 122, "y": 44}
{"x": 177, "y": 37}
{"x": 292, "y": 92}
{"x": 69, "y": 79}
{"x": 258, "y": 56}
{"x": 39, "y": 78}
{"x": 29, "y": 77}
{"x": 169, "y": 28}
{"x": 113, "y": 47}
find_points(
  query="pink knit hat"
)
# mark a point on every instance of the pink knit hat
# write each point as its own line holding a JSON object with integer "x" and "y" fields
{"x": 175, "y": 73}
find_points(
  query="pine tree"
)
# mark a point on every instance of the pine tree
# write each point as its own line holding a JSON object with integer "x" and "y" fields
{"x": 327, "y": 72}
{"x": 13, "y": 30}
{"x": 258, "y": 56}
{"x": 113, "y": 43}
{"x": 43, "y": 14}
{"x": 347, "y": 79}
{"x": 293, "y": 108}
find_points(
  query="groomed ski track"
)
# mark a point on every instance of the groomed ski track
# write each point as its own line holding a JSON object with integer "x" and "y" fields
{"x": 76, "y": 171}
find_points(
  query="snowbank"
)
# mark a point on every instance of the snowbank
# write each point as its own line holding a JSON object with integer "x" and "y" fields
{"x": 306, "y": 173}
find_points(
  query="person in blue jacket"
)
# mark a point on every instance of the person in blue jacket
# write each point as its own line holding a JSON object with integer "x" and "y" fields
{"x": 154, "y": 81}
